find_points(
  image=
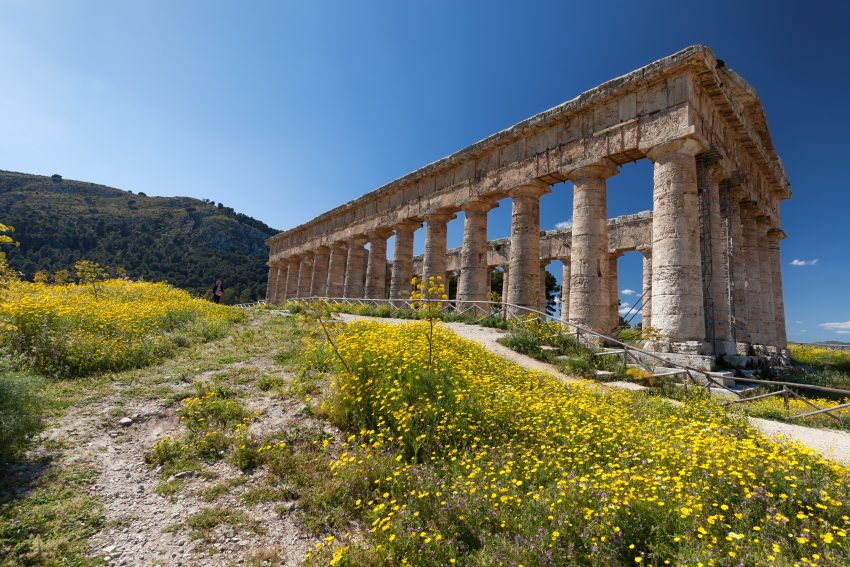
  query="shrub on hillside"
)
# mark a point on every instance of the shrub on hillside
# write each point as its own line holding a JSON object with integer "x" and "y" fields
{"x": 20, "y": 414}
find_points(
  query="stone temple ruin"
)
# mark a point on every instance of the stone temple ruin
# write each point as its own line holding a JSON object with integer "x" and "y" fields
{"x": 711, "y": 264}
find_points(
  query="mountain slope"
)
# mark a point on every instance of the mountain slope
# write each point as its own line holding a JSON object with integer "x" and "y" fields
{"x": 186, "y": 241}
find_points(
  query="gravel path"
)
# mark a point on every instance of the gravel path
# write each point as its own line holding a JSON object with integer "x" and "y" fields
{"x": 831, "y": 443}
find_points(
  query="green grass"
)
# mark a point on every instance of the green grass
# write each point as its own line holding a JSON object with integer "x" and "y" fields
{"x": 21, "y": 408}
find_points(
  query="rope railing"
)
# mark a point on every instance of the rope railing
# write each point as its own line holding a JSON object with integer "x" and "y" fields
{"x": 511, "y": 312}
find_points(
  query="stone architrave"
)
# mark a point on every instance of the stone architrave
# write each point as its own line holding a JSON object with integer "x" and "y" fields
{"x": 434, "y": 259}
{"x": 402, "y": 271}
{"x": 292, "y": 277}
{"x": 677, "y": 299}
{"x": 524, "y": 256}
{"x": 767, "y": 307}
{"x": 590, "y": 301}
{"x": 775, "y": 236}
{"x": 354, "y": 269}
{"x": 319, "y": 281}
{"x": 376, "y": 269}
{"x": 474, "y": 282}
{"x": 305, "y": 274}
{"x": 336, "y": 269}
{"x": 565, "y": 289}
{"x": 646, "y": 292}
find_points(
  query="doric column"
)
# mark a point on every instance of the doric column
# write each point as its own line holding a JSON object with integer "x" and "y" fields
{"x": 544, "y": 299}
{"x": 402, "y": 272}
{"x": 506, "y": 273}
{"x": 677, "y": 299}
{"x": 613, "y": 292}
{"x": 292, "y": 277}
{"x": 279, "y": 291}
{"x": 319, "y": 282}
{"x": 376, "y": 269}
{"x": 525, "y": 244}
{"x": 768, "y": 309}
{"x": 305, "y": 274}
{"x": 474, "y": 280}
{"x": 752, "y": 267}
{"x": 565, "y": 289}
{"x": 590, "y": 300}
{"x": 774, "y": 237}
{"x": 646, "y": 292}
{"x": 434, "y": 259}
{"x": 354, "y": 269}
{"x": 274, "y": 274}
{"x": 738, "y": 265}
{"x": 718, "y": 311}
{"x": 336, "y": 269}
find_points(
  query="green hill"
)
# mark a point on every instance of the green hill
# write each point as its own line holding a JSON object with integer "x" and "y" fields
{"x": 188, "y": 242}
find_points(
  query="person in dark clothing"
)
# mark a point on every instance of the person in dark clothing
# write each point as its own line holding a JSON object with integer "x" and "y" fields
{"x": 218, "y": 291}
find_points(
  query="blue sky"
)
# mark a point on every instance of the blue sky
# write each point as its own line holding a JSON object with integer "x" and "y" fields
{"x": 283, "y": 110}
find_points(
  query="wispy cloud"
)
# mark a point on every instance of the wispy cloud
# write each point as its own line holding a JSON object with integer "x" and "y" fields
{"x": 628, "y": 292}
{"x": 798, "y": 262}
{"x": 841, "y": 327}
{"x": 564, "y": 224}
{"x": 624, "y": 308}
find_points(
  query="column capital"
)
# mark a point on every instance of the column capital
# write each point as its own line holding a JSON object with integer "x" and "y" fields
{"x": 358, "y": 240}
{"x": 764, "y": 222}
{"x": 479, "y": 206}
{"x": 776, "y": 234}
{"x": 322, "y": 250}
{"x": 407, "y": 225}
{"x": 690, "y": 145}
{"x": 338, "y": 245}
{"x": 602, "y": 169}
{"x": 531, "y": 189}
{"x": 645, "y": 250}
{"x": 306, "y": 255}
{"x": 439, "y": 216}
{"x": 381, "y": 233}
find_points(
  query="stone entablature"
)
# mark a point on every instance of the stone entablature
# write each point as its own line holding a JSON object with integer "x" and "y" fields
{"x": 710, "y": 246}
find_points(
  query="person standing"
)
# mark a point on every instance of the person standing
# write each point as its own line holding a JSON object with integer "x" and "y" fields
{"x": 218, "y": 291}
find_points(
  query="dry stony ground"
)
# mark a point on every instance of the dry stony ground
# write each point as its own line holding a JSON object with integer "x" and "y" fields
{"x": 216, "y": 516}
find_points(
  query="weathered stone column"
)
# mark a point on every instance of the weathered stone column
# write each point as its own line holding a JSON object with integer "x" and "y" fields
{"x": 613, "y": 292}
{"x": 525, "y": 244}
{"x": 719, "y": 312}
{"x": 565, "y": 290}
{"x": 402, "y": 273}
{"x": 677, "y": 300}
{"x": 738, "y": 265}
{"x": 750, "y": 246}
{"x": 775, "y": 236}
{"x": 589, "y": 294}
{"x": 376, "y": 269}
{"x": 768, "y": 309}
{"x": 305, "y": 274}
{"x": 434, "y": 259}
{"x": 474, "y": 280}
{"x": 336, "y": 269}
{"x": 506, "y": 273}
{"x": 646, "y": 292}
{"x": 279, "y": 291}
{"x": 292, "y": 277}
{"x": 354, "y": 269}
{"x": 319, "y": 282}
{"x": 274, "y": 274}
{"x": 542, "y": 289}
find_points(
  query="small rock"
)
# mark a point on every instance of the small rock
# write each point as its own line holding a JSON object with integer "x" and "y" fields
{"x": 108, "y": 549}
{"x": 125, "y": 421}
{"x": 183, "y": 474}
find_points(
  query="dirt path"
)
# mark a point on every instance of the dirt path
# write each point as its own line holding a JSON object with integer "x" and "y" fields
{"x": 831, "y": 443}
{"x": 144, "y": 527}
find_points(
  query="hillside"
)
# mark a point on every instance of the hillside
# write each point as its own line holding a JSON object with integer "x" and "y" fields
{"x": 188, "y": 242}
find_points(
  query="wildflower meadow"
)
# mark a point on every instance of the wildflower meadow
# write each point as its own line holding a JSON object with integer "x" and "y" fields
{"x": 476, "y": 461}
